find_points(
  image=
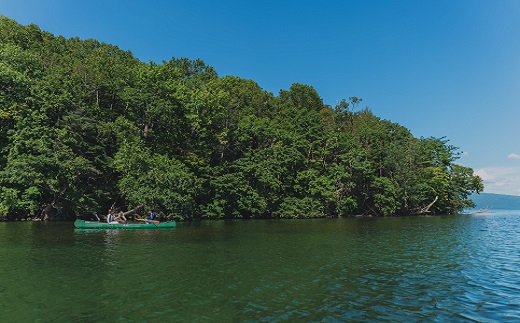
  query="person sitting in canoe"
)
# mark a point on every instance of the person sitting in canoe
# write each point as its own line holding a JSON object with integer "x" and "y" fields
{"x": 151, "y": 218}
{"x": 114, "y": 219}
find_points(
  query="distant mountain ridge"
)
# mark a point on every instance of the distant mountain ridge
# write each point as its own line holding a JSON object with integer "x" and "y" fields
{"x": 496, "y": 201}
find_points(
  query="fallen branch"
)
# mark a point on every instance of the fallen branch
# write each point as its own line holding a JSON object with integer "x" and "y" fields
{"x": 133, "y": 211}
{"x": 426, "y": 209}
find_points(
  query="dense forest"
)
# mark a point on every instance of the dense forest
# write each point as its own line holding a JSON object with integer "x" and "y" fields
{"x": 86, "y": 126}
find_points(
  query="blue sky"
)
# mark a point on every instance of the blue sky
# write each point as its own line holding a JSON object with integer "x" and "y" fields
{"x": 440, "y": 67}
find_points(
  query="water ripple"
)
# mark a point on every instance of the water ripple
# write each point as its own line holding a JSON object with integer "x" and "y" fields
{"x": 430, "y": 269}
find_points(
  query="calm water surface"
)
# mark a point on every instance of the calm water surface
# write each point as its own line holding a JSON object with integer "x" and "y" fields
{"x": 463, "y": 268}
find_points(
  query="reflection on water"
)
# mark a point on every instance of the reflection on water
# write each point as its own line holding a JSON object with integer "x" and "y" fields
{"x": 414, "y": 269}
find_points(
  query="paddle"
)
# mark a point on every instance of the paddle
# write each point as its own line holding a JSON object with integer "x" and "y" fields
{"x": 151, "y": 221}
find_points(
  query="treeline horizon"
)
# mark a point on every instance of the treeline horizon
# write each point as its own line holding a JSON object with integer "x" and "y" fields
{"x": 86, "y": 126}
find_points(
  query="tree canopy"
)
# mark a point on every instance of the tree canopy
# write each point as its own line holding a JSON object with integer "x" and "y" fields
{"x": 85, "y": 125}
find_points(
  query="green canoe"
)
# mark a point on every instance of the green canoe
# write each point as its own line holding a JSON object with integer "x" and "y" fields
{"x": 80, "y": 224}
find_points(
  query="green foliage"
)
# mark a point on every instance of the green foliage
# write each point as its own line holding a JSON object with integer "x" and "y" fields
{"x": 85, "y": 125}
{"x": 155, "y": 180}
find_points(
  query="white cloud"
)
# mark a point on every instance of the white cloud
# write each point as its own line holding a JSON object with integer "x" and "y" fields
{"x": 500, "y": 180}
{"x": 484, "y": 174}
{"x": 513, "y": 156}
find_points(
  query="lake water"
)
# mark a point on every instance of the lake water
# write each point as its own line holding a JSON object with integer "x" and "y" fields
{"x": 463, "y": 268}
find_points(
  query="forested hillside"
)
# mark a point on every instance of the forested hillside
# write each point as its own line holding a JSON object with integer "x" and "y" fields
{"x": 86, "y": 125}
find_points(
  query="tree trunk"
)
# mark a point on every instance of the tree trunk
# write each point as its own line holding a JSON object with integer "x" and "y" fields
{"x": 426, "y": 209}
